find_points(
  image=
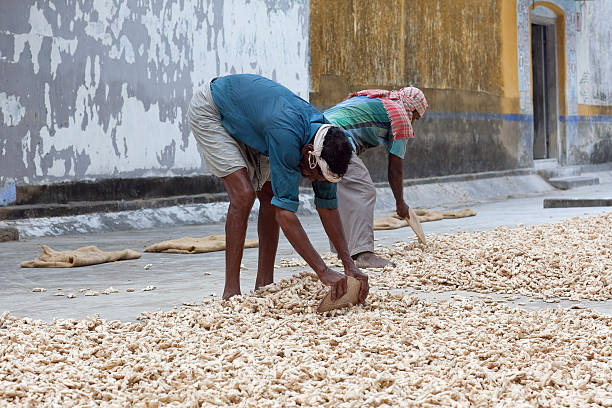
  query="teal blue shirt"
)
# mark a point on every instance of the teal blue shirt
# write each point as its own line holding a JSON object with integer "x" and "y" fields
{"x": 276, "y": 122}
{"x": 368, "y": 124}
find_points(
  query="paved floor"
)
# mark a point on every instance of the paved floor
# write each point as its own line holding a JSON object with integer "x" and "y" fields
{"x": 182, "y": 278}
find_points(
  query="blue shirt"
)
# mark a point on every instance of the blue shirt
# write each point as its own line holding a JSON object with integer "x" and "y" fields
{"x": 276, "y": 122}
{"x": 368, "y": 124}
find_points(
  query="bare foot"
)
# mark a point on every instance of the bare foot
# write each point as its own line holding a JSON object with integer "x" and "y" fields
{"x": 370, "y": 260}
{"x": 259, "y": 284}
{"x": 228, "y": 293}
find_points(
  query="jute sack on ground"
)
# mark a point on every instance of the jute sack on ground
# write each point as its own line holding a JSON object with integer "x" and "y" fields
{"x": 394, "y": 221}
{"x": 189, "y": 245}
{"x": 89, "y": 255}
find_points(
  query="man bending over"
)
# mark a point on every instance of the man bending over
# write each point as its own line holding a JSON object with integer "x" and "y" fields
{"x": 372, "y": 118}
{"x": 259, "y": 138}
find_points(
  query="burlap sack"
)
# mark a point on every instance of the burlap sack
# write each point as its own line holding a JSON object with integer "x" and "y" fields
{"x": 351, "y": 297}
{"x": 89, "y": 255}
{"x": 189, "y": 245}
{"x": 394, "y": 221}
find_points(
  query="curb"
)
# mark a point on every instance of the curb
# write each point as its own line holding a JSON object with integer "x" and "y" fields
{"x": 79, "y": 206}
{"x": 87, "y": 207}
{"x": 464, "y": 177}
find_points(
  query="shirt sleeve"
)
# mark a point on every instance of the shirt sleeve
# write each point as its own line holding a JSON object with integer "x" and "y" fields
{"x": 284, "y": 153}
{"x": 325, "y": 194}
{"x": 397, "y": 147}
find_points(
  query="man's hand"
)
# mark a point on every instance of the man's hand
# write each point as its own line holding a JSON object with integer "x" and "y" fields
{"x": 336, "y": 280}
{"x": 402, "y": 209}
{"x": 333, "y": 228}
{"x": 364, "y": 289}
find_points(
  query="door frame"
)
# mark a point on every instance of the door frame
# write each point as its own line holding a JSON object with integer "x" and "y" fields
{"x": 553, "y": 150}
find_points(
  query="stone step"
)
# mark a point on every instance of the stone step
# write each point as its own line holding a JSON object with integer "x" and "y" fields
{"x": 577, "y": 202}
{"x": 566, "y": 183}
{"x": 544, "y": 164}
{"x": 550, "y": 168}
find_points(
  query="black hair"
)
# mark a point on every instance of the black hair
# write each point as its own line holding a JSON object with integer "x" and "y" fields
{"x": 337, "y": 150}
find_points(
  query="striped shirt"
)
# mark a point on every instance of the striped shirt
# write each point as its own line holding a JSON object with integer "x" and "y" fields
{"x": 368, "y": 124}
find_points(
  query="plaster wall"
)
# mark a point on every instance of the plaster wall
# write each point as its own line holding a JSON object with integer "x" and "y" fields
{"x": 462, "y": 54}
{"x": 594, "y": 53}
{"x": 585, "y": 77}
{"x": 594, "y": 62}
{"x": 100, "y": 88}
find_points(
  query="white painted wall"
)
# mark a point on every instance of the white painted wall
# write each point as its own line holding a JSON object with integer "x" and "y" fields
{"x": 103, "y": 91}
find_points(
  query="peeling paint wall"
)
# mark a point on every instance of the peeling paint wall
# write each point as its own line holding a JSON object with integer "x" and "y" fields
{"x": 594, "y": 48}
{"x": 594, "y": 57}
{"x": 99, "y": 88}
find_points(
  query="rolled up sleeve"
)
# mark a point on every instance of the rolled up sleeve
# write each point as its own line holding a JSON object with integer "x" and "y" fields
{"x": 397, "y": 147}
{"x": 325, "y": 194}
{"x": 284, "y": 203}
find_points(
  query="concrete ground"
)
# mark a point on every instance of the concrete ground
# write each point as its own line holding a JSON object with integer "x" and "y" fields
{"x": 191, "y": 278}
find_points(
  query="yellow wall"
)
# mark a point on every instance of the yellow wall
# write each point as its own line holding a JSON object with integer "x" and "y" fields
{"x": 594, "y": 110}
{"x": 355, "y": 43}
{"x": 463, "y": 52}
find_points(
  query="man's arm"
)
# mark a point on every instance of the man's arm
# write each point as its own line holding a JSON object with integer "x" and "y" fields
{"x": 292, "y": 228}
{"x": 330, "y": 218}
{"x": 395, "y": 175}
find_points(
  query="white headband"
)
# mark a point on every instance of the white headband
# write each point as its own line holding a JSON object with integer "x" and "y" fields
{"x": 314, "y": 157}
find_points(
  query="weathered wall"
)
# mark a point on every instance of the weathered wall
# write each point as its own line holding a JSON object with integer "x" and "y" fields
{"x": 461, "y": 53}
{"x": 355, "y": 42}
{"x": 565, "y": 10}
{"x": 585, "y": 79}
{"x": 99, "y": 88}
{"x": 594, "y": 52}
{"x": 435, "y": 44}
{"x": 594, "y": 58}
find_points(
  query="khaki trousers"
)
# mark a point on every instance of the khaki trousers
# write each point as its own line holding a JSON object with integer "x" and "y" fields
{"x": 356, "y": 200}
{"x": 222, "y": 153}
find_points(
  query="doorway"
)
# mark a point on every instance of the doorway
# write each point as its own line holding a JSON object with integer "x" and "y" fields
{"x": 544, "y": 74}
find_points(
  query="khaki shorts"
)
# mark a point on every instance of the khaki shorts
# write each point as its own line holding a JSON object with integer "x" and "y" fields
{"x": 222, "y": 153}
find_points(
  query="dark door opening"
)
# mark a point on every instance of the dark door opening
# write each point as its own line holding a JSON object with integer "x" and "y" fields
{"x": 543, "y": 55}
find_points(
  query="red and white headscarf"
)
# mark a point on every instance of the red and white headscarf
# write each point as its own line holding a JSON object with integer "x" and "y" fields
{"x": 399, "y": 106}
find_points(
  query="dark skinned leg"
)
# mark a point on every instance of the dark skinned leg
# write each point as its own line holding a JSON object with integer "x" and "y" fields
{"x": 241, "y": 195}
{"x": 267, "y": 230}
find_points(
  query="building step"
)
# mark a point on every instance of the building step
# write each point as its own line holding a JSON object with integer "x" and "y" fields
{"x": 550, "y": 168}
{"x": 577, "y": 202}
{"x": 544, "y": 164}
{"x": 566, "y": 183}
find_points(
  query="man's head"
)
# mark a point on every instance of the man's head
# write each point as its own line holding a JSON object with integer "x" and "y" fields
{"x": 335, "y": 152}
{"x": 413, "y": 100}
